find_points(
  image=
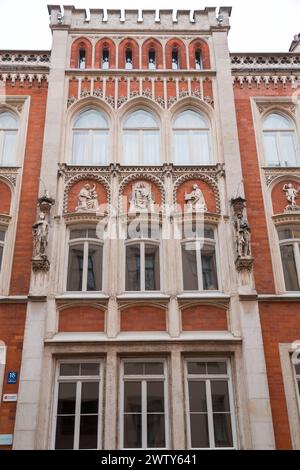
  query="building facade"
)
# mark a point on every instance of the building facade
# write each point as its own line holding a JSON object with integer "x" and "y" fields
{"x": 149, "y": 237}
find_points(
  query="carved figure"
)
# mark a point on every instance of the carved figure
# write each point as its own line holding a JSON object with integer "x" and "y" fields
{"x": 87, "y": 199}
{"x": 40, "y": 236}
{"x": 141, "y": 198}
{"x": 195, "y": 199}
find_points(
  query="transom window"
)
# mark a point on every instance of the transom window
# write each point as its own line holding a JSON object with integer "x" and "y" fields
{"x": 85, "y": 264}
{"x": 78, "y": 405}
{"x": 289, "y": 242}
{"x": 2, "y": 241}
{"x": 191, "y": 139}
{"x": 141, "y": 139}
{"x": 8, "y": 139}
{"x": 90, "y": 138}
{"x": 144, "y": 407}
{"x": 280, "y": 141}
{"x": 209, "y": 404}
{"x": 199, "y": 267}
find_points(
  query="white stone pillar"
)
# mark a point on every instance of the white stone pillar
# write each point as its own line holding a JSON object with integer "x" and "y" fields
{"x": 177, "y": 402}
{"x": 111, "y": 400}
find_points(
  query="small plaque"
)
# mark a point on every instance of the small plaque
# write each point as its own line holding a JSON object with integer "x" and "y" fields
{"x": 10, "y": 397}
{"x": 12, "y": 377}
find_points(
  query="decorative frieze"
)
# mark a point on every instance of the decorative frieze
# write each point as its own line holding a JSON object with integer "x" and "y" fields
{"x": 270, "y": 174}
{"x": 265, "y": 61}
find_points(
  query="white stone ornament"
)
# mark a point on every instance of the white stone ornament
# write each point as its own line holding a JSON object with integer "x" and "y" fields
{"x": 291, "y": 195}
{"x": 87, "y": 199}
{"x": 195, "y": 199}
{"x": 141, "y": 197}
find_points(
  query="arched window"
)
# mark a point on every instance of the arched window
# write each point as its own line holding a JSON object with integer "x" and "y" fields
{"x": 198, "y": 59}
{"x": 141, "y": 139}
{"x": 175, "y": 59}
{"x": 128, "y": 58}
{"x": 191, "y": 139}
{"x": 85, "y": 263}
{"x": 8, "y": 139}
{"x": 280, "y": 141}
{"x": 105, "y": 58}
{"x": 90, "y": 138}
{"x": 81, "y": 58}
{"x": 151, "y": 59}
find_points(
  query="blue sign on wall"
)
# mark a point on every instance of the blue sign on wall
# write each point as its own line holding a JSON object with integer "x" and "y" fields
{"x": 12, "y": 377}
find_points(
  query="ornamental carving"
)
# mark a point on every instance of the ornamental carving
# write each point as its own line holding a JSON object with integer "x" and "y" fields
{"x": 244, "y": 258}
{"x": 40, "y": 232}
{"x": 87, "y": 199}
{"x": 291, "y": 195}
{"x": 141, "y": 197}
{"x": 195, "y": 199}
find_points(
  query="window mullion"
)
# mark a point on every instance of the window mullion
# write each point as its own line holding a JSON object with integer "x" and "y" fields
{"x": 144, "y": 415}
{"x": 210, "y": 416}
{"x": 77, "y": 415}
{"x": 142, "y": 266}
{"x": 85, "y": 266}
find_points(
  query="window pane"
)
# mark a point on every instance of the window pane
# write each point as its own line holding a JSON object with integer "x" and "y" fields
{"x": 94, "y": 275}
{"x": 88, "y": 432}
{"x": 133, "y": 268}
{"x": 209, "y": 268}
{"x": 190, "y": 120}
{"x": 132, "y": 397}
{"x": 64, "y": 432}
{"x": 197, "y": 396}
{"x": 69, "y": 369}
{"x": 8, "y": 121}
{"x": 89, "y": 397}
{"x": 92, "y": 233}
{"x": 272, "y": 157}
{"x": 289, "y": 268}
{"x": 89, "y": 368}
{"x": 220, "y": 395}
{"x": 77, "y": 234}
{"x": 140, "y": 119}
{"x": 152, "y": 278}
{"x": 131, "y": 154}
{"x": 99, "y": 148}
{"x": 181, "y": 148}
{"x": 156, "y": 430}
{"x": 200, "y": 148}
{"x": 297, "y": 367}
{"x": 285, "y": 233}
{"x": 75, "y": 268}
{"x": 287, "y": 149}
{"x": 9, "y": 148}
{"x": 155, "y": 397}
{"x": 1, "y": 255}
{"x": 199, "y": 430}
{"x": 196, "y": 368}
{"x": 91, "y": 119}
{"x": 66, "y": 398}
{"x": 216, "y": 368}
{"x": 153, "y": 368}
{"x": 276, "y": 121}
{"x": 189, "y": 268}
{"x": 151, "y": 155}
{"x": 80, "y": 153}
{"x": 133, "y": 431}
{"x": 133, "y": 368}
{"x": 222, "y": 429}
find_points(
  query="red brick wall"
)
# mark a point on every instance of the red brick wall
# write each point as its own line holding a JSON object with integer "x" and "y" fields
{"x": 207, "y": 190}
{"x": 204, "y": 317}
{"x": 5, "y": 198}
{"x": 280, "y": 324}
{"x": 21, "y": 268}
{"x": 81, "y": 318}
{"x": 144, "y": 318}
{"x": 12, "y": 321}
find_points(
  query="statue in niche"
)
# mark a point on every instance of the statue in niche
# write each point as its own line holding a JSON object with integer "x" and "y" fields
{"x": 141, "y": 198}
{"x": 243, "y": 238}
{"x": 195, "y": 199}
{"x": 87, "y": 199}
{"x": 40, "y": 231}
{"x": 291, "y": 195}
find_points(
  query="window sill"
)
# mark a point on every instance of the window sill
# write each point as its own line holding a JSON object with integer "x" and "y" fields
{"x": 82, "y": 296}
{"x": 143, "y": 295}
{"x": 203, "y": 295}
{"x": 291, "y": 296}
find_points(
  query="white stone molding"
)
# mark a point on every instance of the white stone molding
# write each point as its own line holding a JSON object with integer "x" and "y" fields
{"x": 265, "y": 61}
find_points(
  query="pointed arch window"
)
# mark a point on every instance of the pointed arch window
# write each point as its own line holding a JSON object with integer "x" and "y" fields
{"x": 8, "y": 138}
{"x": 90, "y": 138}
{"x": 128, "y": 59}
{"x": 198, "y": 59}
{"x": 105, "y": 58}
{"x": 82, "y": 58}
{"x": 175, "y": 59}
{"x": 280, "y": 142}
{"x": 191, "y": 139}
{"x": 141, "y": 139}
{"x": 151, "y": 59}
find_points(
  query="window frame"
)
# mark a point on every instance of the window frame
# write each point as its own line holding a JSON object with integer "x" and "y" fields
{"x": 278, "y": 138}
{"x": 137, "y": 377}
{"x": 76, "y": 379}
{"x": 142, "y": 242}
{"x": 140, "y": 131}
{"x": 208, "y": 378}
{"x": 91, "y": 131}
{"x": 296, "y": 377}
{"x": 203, "y": 241}
{"x": 295, "y": 242}
{"x": 85, "y": 242}
{"x": 190, "y": 131}
{"x": 6, "y": 131}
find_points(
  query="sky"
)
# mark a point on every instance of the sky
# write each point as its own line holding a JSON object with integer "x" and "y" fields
{"x": 256, "y": 25}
